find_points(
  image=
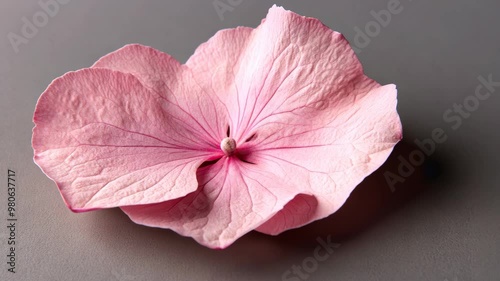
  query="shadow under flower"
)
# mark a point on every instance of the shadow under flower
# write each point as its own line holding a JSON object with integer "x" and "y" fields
{"x": 370, "y": 202}
{"x": 381, "y": 193}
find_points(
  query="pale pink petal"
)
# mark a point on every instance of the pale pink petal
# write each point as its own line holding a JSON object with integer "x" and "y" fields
{"x": 300, "y": 210}
{"x": 108, "y": 141}
{"x": 153, "y": 68}
{"x": 160, "y": 72}
{"x": 215, "y": 64}
{"x": 233, "y": 198}
{"x": 333, "y": 158}
{"x": 297, "y": 97}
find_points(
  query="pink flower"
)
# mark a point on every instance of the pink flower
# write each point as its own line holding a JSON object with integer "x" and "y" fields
{"x": 268, "y": 129}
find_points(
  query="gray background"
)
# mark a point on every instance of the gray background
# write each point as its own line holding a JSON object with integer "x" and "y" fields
{"x": 433, "y": 50}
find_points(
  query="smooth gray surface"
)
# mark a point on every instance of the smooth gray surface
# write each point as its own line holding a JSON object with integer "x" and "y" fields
{"x": 433, "y": 50}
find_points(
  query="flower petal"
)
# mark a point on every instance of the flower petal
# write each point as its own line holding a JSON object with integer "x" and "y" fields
{"x": 299, "y": 211}
{"x": 108, "y": 141}
{"x": 334, "y": 156}
{"x": 233, "y": 198}
{"x": 215, "y": 64}
{"x": 153, "y": 68}
{"x": 295, "y": 88}
{"x": 287, "y": 66}
{"x": 164, "y": 74}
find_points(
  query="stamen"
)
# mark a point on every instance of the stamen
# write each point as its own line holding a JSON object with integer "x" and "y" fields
{"x": 228, "y": 146}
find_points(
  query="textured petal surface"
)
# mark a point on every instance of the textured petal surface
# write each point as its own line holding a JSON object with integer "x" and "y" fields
{"x": 155, "y": 69}
{"x": 296, "y": 90}
{"x": 332, "y": 159}
{"x": 158, "y": 71}
{"x": 107, "y": 141}
{"x": 233, "y": 198}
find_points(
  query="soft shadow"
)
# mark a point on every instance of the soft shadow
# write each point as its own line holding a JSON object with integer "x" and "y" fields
{"x": 370, "y": 202}
{"x": 374, "y": 198}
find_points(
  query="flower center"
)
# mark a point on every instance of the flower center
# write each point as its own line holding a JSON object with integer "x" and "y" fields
{"x": 228, "y": 145}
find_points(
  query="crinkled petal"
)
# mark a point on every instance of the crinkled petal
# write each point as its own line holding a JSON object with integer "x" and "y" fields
{"x": 233, "y": 198}
{"x": 153, "y": 68}
{"x": 160, "y": 72}
{"x": 107, "y": 141}
{"x": 287, "y": 66}
{"x": 332, "y": 159}
{"x": 215, "y": 65}
{"x": 297, "y": 97}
